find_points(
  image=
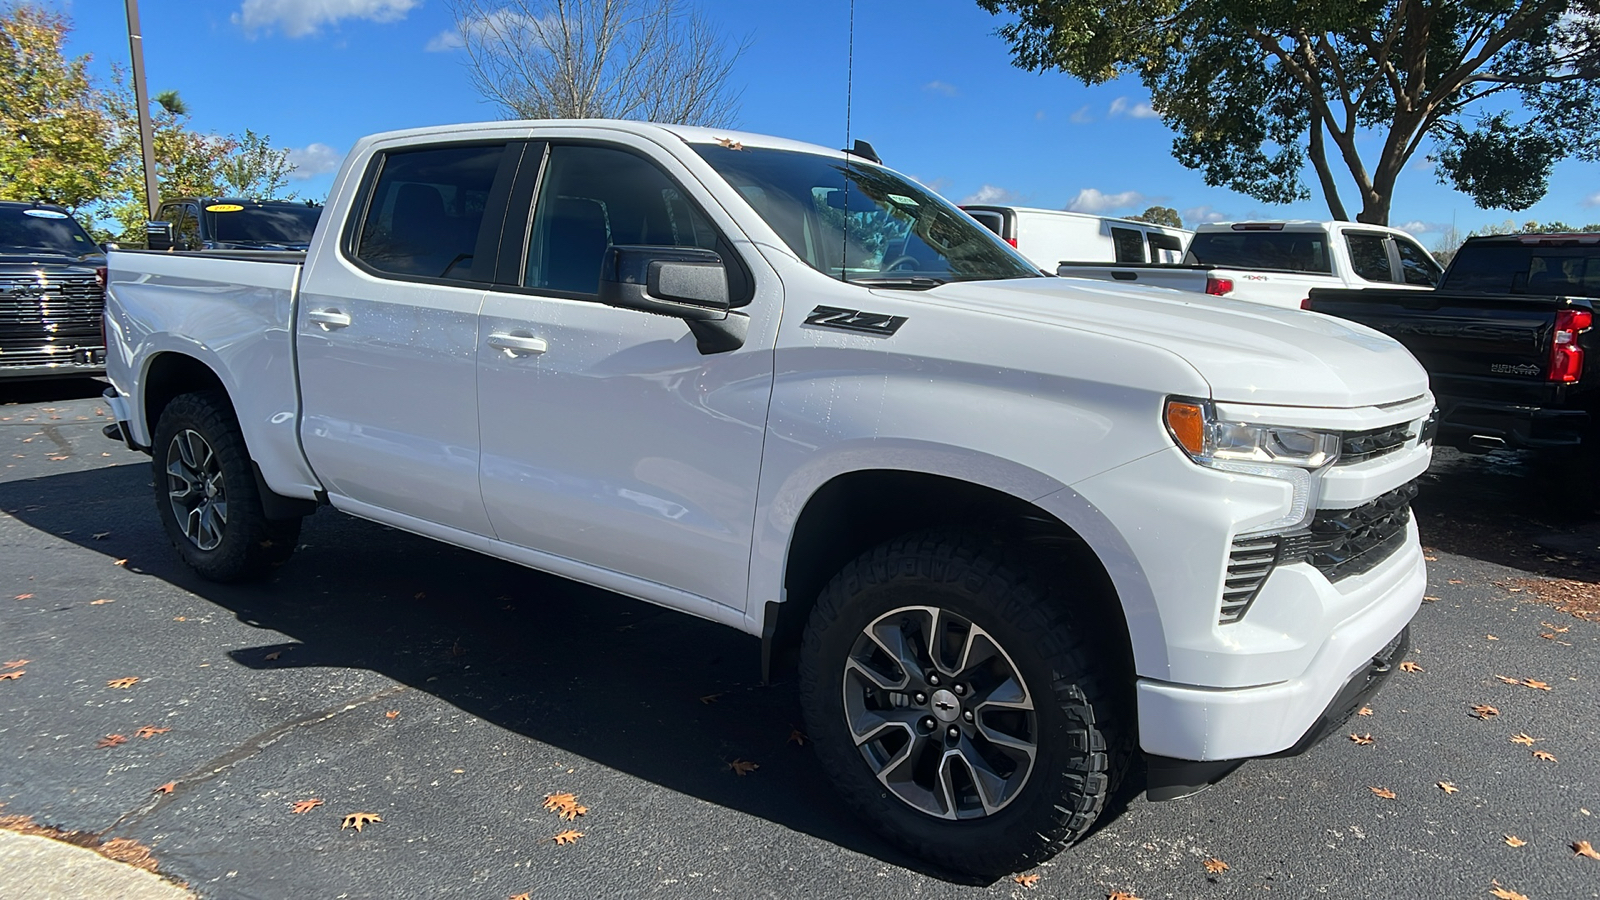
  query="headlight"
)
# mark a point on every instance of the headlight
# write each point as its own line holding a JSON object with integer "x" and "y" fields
{"x": 1295, "y": 455}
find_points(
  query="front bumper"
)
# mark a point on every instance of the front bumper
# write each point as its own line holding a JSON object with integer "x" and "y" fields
{"x": 80, "y": 362}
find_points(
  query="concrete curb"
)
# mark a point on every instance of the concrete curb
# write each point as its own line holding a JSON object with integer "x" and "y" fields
{"x": 39, "y": 868}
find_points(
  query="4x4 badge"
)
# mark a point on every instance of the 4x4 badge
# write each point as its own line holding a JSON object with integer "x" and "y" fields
{"x": 855, "y": 320}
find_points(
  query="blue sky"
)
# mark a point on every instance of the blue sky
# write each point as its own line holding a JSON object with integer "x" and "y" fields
{"x": 934, "y": 90}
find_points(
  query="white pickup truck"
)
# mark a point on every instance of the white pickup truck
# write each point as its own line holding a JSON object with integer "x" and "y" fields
{"x": 1012, "y": 529}
{"x": 1278, "y": 263}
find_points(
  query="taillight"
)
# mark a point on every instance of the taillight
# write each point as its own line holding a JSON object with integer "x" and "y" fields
{"x": 1306, "y": 303}
{"x": 1566, "y": 354}
{"x": 1011, "y": 241}
{"x": 1218, "y": 287}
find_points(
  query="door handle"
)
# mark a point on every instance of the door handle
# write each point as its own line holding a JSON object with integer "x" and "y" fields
{"x": 329, "y": 319}
{"x": 518, "y": 344}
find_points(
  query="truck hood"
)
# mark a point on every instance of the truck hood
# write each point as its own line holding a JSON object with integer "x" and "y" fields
{"x": 1247, "y": 352}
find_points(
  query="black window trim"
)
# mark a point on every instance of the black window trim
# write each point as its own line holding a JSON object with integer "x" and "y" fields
{"x": 523, "y": 234}
{"x": 350, "y": 235}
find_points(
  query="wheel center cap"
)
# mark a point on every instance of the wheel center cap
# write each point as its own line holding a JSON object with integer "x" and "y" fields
{"x": 945, "y": 706}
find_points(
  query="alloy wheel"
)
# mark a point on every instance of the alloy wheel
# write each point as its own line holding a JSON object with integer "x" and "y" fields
{"x": 195, "y": 489}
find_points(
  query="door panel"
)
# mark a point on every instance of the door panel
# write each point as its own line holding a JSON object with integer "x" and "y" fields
{"x": 388, "y": 338}
{"x": 618, "y": 444}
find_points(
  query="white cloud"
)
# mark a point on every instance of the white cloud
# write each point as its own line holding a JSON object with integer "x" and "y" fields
{"x": 1418, "y": 227}
{"x": 445, "y": 41}
{"x": 1083, "y": 116}
{"x": 1592, "y": 200}
{"x": 1120, "y": 107}
{"x": 941, "y": 87}
{"x": 1201, "y": 214}
{"x": 502, "y": 23}
{"x": 993, "y": 194}
{"x": 302, "y": 18}
{"x": 313, "y": 160}
{"x": 936, "y": 185}
{"x": 1090, "y": 200}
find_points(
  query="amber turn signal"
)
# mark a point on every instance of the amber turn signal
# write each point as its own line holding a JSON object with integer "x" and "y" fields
{"x": 1187, "y": 423}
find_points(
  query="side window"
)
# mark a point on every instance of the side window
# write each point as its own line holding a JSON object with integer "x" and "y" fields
{"x": 426, "y": 209}
{"x": 186, "y": 227}
{"x": 1129, "y": 244}
{"x": 593, "y": 197}
{"x": 1416, "y": 264}
{"x": 1369, "y": 256}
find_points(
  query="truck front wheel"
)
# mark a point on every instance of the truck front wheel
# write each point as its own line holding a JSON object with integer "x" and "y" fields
{"x": 206, "y": 492}
{"x": 960, "y": 705}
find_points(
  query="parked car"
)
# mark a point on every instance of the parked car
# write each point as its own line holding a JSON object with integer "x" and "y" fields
{"x": 52, "y": 279}
{"x": 1013, "y": 529}
{"x": 1505, "y": 339}
{"x": 231, "y": 223}
{"x": 1049, "y": 237}
{"x": 1279, "y": 263}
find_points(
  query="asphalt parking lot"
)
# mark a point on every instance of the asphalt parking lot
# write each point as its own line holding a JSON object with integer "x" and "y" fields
{"x": 448, "y": 694}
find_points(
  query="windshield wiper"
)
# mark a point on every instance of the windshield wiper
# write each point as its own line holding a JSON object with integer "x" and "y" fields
{"x": 903, "y": 282}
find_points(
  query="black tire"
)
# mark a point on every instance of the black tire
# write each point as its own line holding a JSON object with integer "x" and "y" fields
{"x": 1081, "y": 720}
{"x": 240, "y": 543}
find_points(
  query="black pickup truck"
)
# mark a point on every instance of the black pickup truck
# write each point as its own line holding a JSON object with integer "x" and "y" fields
{"x": 1506, "y": 338}
{"x": 231, "y": 223}
{"x": 52, "y": 294}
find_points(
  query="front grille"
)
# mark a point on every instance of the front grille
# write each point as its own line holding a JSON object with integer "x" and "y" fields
{"x": 1338, "y": 542}
{"x": 1360, "y": 446}
{"x": 56, "y": 315}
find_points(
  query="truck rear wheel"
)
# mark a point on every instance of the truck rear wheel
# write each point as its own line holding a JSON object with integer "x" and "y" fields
{"x": 960, "y": 705}
{"x": 206, "y": 492}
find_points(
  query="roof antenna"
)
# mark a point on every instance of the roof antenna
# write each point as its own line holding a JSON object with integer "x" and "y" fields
{"x": 849, "y": 86}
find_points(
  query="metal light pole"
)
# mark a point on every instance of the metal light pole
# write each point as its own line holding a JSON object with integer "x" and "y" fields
{"x": 142, "y": 98}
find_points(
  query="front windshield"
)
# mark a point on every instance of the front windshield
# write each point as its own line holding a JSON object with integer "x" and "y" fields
{"x": 262, "y": 224}
{"x": 42, "y": 231}
{"x": 864, "y": 224}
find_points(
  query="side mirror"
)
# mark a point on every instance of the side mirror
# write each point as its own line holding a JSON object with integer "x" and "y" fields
{"x": 108, "y": 246}
{"x": 158, "y": 235}
{"x": 682, "y": 282}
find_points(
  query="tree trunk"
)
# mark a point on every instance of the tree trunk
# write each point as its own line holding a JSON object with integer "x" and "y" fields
{"x": 1319, "y": 159}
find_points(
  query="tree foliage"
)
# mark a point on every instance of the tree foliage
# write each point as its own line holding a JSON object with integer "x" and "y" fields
{"x": 618, "y": 59}
{"x": 1160, "y": 215}
{"x": 1257, "y": 88}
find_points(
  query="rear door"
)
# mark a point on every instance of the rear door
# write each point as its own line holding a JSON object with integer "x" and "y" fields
{"x": 388, "y": 334}
{"x": 608, "y": 437}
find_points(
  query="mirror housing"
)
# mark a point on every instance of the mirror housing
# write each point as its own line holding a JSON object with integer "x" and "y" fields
{"x": 681, "y": 282}
{"x": 157, "y": 235}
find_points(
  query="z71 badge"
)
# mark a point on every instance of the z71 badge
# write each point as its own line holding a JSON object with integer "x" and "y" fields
{"x": 855, "y": 320}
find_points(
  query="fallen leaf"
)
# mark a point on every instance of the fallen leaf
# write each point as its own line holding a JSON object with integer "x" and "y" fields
{"x": 1491, "y": 637}
{"x": 1558, "y": 630}
{"x": 522, "y": 896}
{"x": 357, "y": 820}
{"x": 1484, "y": 711}
{"x": 1215, "y": 866}
{"x": 1431, "y": 558}
{"x": 1506, "y": 680}
{"x": 709, "y": 699}
{"x": 1364, "y": 711}
{"x": 150, "y": 731}
{"x": 1448, "y": 788}
{"x": 743, "y": 767}
{"x": 167, "y": 788}
{"x": 1121, "y": 895}
{"x": 180, "y": 618}
{"x": 1504, "y": 894}
{"x": 112, "y": 740}
{"x": 122, "y": 682}
{"x": 796, "y": 736}
{"x": 13, "y": 675}
{"x": 1409, "y": 666}
{"x": 1385, "y": 793}
{"x": 1536, "y": 685}
{"x": 1584, "y": 848}
{"x": 1457, "y": 581}
{"x": 1028, "y": 880}
{"x": 271, "y": 656}
{"x": 23, "y": 597}
{"x": 305, "y": 806}
{"x": 1523, "y": 738}
{"x": 15, "y": 663}
{"x": 1514, "y": 841}
{"x": 392, "y": 714}
{"x": 1362, "y": 739}
{"x": 729, "y": 144}
{"x": 567, "y": 837}
{"x": 101, "y": 602}
{"x": 565, "y": 805}
{"x": 1430, "y": 599}
{"x": 119, "y": 562}
{"x": 1547, "y": 757}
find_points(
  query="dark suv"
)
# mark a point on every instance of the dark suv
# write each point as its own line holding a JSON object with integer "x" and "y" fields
{"x": 52, "y": 294}
{"x": 232, "y": 223}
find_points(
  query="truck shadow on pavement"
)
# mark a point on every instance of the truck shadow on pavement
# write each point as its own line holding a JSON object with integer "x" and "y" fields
{"x": 652, "y": 693}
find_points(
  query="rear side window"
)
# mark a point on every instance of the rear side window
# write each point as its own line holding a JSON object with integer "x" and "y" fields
{"x": 594, "y": 197}
{"x": 1417, "y": 265}
{"x": 1129, "y": 245}
{"x": 426, "y": 209}
{"x": 1285, "y": 251}
{"x": 1369, "y": 256}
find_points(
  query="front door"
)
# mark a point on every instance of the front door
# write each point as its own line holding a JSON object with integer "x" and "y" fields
{"x": 388, "y": 336}
{"x": 608, "y": 438}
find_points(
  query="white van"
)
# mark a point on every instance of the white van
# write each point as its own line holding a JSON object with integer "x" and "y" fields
{"x": 1049, "y": 237}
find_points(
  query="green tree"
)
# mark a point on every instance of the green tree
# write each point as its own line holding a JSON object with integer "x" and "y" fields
{"x": 55, "y": 140}
{"x": 1256, "y": 88}
{"x": 1160, "y": 215}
